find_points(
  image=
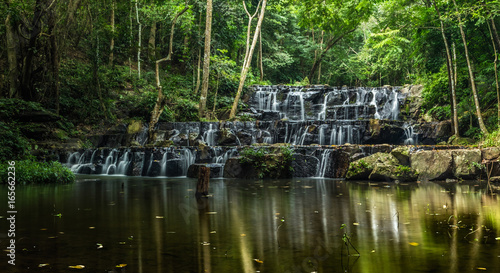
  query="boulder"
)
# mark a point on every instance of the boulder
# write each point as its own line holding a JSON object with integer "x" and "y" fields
{"x": 304, "y": 165}
{"x": 466, "y": 163}
{"x": 432, "y": 165}
{"x": 492, "y": 153}
{"x": 402, "y": 154}
{"x": 380, "y": 167}
{"x": 227, "y": 138}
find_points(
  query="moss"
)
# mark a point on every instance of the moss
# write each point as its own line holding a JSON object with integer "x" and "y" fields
{"x": 134, "y": 127}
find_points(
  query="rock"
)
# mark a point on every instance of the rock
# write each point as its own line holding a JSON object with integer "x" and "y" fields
{"x": 402, "y": 154}
{"x": 227, "y": 138}
{"x": 466, "y": 163}
{"x": 443, "y": 130}
{"x": 233, "y": 168}
{"x": 270, "y": 115}
{"x": 216, "y": 170}
{"x": 492, "y": 153}
{"x": 380, "y": 167}
{"x": 304, "y": 165}
{"x": 432, "y": 165}
{"x": 175, "y": 167}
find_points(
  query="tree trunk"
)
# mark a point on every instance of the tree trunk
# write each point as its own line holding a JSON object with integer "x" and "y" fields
{"x": 495, "y": 33}
{"x": 471, "y": 75}
{"x": 246, "y": 62}
{"x": 112, "y": 44}
{"x": 139, "y": 42}
{"x": 130, "y": 40}
{"x": 496, "y": 72}
{"x": 330, "y": 44}
{"x": 320, "y": 48}
{"x": 451, "y": 78}
{"x": 249, "y": 28}
{"x": 161, "y": 100}
{"x": 206, "y": 61}
{"x": 26, "y": 84}
{"x": 152, "y": 42}
{"x": 12, "y": 49}
{"x": 261, "y": 68}
{"x": 54, "y": 52}
{"x": 203, "y": 182}
{"x": 197, "y": 88}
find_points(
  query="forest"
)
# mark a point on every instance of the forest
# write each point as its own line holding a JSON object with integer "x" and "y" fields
{"x": 98, "y": 63}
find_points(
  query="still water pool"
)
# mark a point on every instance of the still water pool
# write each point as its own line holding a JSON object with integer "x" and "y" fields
{"x": 157, "y": 225}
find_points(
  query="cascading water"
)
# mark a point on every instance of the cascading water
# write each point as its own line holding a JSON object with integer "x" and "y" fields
{"x": 325, "y": 159}
{"x": 299, "y": 116}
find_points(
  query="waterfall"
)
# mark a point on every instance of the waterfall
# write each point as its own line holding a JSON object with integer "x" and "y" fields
{"x": 322, "y": 134}
{"x": 110, "y": 162}
{"x": 209, "y": 136}
{"x": 394, "y": 106}
{"x": 374, "y": 103}
{"x": 325, "y": 159}
{"x": 410, "y": 136}
{"x": 163, "y": 163}
{"x": 333, "y": 136}
{"x": 123, "y": 164}
{"x": 188, "y": 160}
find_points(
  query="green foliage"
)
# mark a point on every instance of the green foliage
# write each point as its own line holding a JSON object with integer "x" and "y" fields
{"x": 402, "y": 170}
{"x": 33, "y": 172}
{"x": 13, "y": 146}
{"x": 269, "y": 162}
{"x": 492, "y": 139}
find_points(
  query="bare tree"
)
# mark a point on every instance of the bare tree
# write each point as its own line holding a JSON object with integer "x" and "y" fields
{"x": 451, "y": 76}
{"x": 206, "y": 61}
{"x": 248, "y": 56}
{"x": 471, "y": 74}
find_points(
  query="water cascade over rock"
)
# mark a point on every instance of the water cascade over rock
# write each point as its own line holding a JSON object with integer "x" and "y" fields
{"x": 320, "y": 124}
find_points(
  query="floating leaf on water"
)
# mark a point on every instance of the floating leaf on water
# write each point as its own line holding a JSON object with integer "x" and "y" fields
{"x": 99, "y": 246}
{"x": 210, "y": 212}
{"x": 205, "y": 244}
{"x": 373, "y": 250}
{"x": 213, "y": 231}
{"x": 91, "y": 227}
{"x": 190, "y": 190}
{"x": 43, "y": 229}
{"x": 481, "y": 268}
{"x": 121, "y": 243}
{"x": 159, "y": 217}
{"x": 121, "y": 265}
{"x": 42, "y": 265}
{"x": 355, "y": 224}
{"x": 259, "y": 261}
{"x": 497, "y": 238}
{"x": 78, "y": 266}
{"x": 52, "y": 237}
{"x": 60, "y": 232}
{"x": 243, "y": 235}
{"x": 58, "y": 215}
{"x": 413, "y": 244}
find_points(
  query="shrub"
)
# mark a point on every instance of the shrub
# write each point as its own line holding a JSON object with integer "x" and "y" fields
{"x": 33, "y": 172}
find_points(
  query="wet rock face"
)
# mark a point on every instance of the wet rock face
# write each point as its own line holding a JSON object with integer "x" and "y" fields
{"x": 305, "y": 166}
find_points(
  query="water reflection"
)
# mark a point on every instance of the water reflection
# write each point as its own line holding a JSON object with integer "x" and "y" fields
{"x": 157, "y": 225}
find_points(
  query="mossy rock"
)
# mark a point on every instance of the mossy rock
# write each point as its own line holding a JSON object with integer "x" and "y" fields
{"x": 164, "y": 143}
{"x": 134, "y": 127}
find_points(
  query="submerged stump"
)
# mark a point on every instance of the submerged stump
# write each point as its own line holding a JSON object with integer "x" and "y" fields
{"x": 203, "y": 182}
